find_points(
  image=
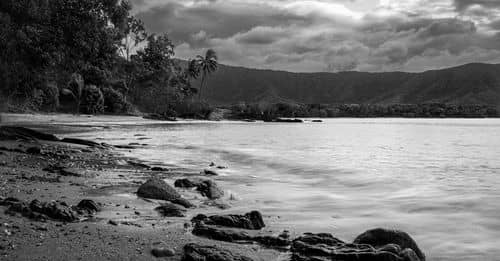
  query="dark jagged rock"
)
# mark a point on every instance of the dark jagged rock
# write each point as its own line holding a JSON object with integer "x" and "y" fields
{"x": 195, "y": 252}
{"x": 317, "y": 121}
{"x": 379, "y": 237}
{"x": 325, "y": 247}
{"x": 88, "y": 206}
{"x": 14, "y": 132}
{"x": 171, "y": 210}
{"x": 81, "y": 142}
{"x": 207, "y": 188}
{"x": 252, "y": 220}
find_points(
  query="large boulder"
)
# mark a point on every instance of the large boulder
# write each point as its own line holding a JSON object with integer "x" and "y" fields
{"x": 252, "y": 220}
{"x": 195, "y": 252}
{"x": 156, "y": 188}
{"x": 379, "y": 237}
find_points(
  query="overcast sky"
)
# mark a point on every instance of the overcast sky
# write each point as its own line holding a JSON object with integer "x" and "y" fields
{"x": 331, "y": 35}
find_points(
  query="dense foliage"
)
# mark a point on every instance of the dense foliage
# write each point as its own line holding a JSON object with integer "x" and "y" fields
{"x": 84, "y": 56}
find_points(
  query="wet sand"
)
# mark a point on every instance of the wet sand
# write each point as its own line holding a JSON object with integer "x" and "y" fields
{"x": 106, "y": 177}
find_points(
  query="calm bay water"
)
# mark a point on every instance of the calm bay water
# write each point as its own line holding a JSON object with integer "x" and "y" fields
{"x": 437, "y": 179}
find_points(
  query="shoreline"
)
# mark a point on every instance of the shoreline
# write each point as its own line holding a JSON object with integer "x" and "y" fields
{"x": 111, "y": 180}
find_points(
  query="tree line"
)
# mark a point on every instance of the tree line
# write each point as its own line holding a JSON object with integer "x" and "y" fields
{"x": 86, "y": 57}
{"x": 266, "y": 111}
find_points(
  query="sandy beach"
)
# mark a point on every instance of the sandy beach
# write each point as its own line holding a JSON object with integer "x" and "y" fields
{"x": 101, "y": 174}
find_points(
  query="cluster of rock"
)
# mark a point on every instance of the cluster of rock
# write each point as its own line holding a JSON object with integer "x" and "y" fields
{"x": 55, "y": 210}
{"x": 206, "y": 187}
{"x": 373, "y": 245}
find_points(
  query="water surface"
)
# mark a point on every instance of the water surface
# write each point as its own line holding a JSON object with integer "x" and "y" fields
{"x": 437, "y": 179}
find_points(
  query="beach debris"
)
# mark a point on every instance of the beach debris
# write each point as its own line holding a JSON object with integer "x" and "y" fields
{"x": 171, "y": 210}
{"x": 162, "y": 252}
{"x": 112, "y": 222}
{"x": 207, "y": 188}
{"x": 196, "y": 252}
{"x": 156, "y": 188}
{"x": 251, "y": 220}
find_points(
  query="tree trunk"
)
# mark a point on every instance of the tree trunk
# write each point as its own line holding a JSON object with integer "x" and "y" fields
{"x": 201, "y": 86}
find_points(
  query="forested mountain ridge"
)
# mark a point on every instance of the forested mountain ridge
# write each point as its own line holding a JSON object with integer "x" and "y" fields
{"x": 466, "y": 84}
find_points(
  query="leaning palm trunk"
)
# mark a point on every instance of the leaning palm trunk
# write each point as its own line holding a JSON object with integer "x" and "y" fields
{"x": 201, "y": 86}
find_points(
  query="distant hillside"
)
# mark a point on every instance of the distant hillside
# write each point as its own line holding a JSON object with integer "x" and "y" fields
{"x": 467, "y": 84}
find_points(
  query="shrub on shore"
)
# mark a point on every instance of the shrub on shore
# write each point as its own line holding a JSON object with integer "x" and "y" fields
{"x": 92, "y": 100}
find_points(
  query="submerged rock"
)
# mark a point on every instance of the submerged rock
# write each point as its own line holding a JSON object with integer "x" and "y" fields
{"x": 171, "y": 210}
{"x": 379, "y": 237}
{"x": 252, "y": 220}
{"x": 195, "y": 252}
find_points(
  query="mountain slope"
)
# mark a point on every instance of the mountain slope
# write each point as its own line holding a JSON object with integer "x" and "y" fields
{"x": 467, "y": 84}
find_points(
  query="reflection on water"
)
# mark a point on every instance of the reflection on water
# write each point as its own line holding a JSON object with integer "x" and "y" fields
{"x": 437, "y": 179}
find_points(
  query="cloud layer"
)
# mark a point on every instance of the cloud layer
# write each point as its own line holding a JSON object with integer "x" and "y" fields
{"x": 334, "y": 35}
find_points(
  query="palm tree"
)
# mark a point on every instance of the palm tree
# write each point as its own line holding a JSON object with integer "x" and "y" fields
{"x": 204, "y": 65}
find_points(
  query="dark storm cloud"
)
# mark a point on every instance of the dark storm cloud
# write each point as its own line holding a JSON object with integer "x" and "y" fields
{"x": 319, "y": 35}
{"x": 182, "y": 22}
